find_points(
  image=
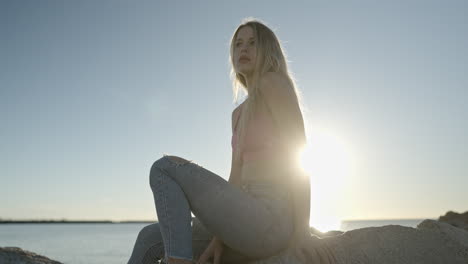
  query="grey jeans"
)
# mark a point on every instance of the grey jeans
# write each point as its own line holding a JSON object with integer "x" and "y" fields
{"x": 253, "y": 221}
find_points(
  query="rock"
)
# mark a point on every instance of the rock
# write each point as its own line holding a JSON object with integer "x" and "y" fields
{"x": 432, "y": 242}
{"x": 456, "y": 219}
{"x": 455, "y": 235}
{"x": 15, "y": 255}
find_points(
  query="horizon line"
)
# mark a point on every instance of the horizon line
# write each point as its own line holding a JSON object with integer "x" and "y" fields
{"x": 64, "y": 220}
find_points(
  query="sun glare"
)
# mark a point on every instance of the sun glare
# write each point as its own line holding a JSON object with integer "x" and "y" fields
{"x": 326, "y": 159}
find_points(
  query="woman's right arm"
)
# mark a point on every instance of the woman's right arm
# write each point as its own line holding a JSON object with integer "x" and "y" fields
{"x": 235, "y": 175}
{"x": 215, "y": 248}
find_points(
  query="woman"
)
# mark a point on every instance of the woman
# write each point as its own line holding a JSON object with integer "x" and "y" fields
{"x": 264, "y": 207}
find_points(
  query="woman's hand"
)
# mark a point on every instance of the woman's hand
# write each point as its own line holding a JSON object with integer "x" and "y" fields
{"x": 214, "y": 249}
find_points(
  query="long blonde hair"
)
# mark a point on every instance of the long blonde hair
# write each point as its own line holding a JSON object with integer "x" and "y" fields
{"x": 270, "y": 58}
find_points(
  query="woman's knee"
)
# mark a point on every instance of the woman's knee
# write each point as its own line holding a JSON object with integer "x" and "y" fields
{"x": 159, "y": 163}
{"x": 163, "y": 163}
{"x": 155, "y": 170}
{"x": 173, "y": 160}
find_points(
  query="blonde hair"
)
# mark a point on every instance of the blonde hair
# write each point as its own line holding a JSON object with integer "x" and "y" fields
{"x": 270, "y": 58}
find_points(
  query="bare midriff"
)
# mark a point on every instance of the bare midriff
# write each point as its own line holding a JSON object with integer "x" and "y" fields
{"x": 270, "y": 168}
{"x": 262, "y": 155}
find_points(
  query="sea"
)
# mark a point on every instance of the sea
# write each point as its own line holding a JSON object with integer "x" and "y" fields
{"x": 93, "y": 243}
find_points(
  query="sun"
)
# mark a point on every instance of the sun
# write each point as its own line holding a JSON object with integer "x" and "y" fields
{"x": 326, "y": 159}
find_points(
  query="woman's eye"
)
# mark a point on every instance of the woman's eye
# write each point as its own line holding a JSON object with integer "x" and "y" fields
{"x": 251, "y": 43}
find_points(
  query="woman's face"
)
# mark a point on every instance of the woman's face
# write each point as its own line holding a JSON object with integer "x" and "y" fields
{"x": 245, "y": 51}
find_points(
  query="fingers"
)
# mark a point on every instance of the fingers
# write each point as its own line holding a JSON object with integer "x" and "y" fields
{"x": 205, "y": 256}
{"x": 218, "y": 250}
{"x": 217, "y": 257}
{"x": 202, "y": 259}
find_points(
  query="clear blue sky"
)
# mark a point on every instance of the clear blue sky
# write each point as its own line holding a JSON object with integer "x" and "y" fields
{"x": 93, "y": 92}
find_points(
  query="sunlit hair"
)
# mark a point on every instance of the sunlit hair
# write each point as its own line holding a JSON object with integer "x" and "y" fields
{"x": 270, "y": 58}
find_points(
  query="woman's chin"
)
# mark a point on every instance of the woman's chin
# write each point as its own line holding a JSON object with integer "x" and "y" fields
{"x": 245, "y": 72}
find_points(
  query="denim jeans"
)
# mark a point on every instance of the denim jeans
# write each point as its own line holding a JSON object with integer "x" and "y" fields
{"x": 254, "y": 221}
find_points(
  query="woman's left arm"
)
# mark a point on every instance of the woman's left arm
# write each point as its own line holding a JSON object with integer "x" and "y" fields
{"x": 282, "y": 101}
{"x": 280, "y": 97}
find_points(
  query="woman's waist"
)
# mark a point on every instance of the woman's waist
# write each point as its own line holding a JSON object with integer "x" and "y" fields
{"x": 268, "y": 151}
{"x": 274, "y": 169}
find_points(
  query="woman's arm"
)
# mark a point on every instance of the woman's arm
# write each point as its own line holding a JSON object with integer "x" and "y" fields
{"x": 215, "y": 248}
{"x": 280, "y": 97}
{"x": 235, "y": 175}
{"x": 282, "y": 101}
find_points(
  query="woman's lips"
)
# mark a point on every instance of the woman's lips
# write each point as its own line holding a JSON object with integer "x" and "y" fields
{"x": 244, "y": 60}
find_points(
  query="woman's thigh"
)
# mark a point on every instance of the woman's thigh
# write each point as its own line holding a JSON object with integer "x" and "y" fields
{"x": 244, "y": 223}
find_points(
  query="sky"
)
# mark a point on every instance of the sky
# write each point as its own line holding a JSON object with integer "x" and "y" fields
{"x": 93, "y": 92}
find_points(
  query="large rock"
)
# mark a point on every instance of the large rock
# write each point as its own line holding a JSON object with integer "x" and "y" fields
{"x": 456, "y": 219}
{"x": 15, "y": 255}
{"x": 432, "y": 242}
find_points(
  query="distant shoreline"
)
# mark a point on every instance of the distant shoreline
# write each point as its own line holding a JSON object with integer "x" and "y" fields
{"x": 74, "y": 222}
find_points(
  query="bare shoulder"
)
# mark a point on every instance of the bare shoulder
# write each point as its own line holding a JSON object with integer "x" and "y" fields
{"x": 276, "y": 87}
{"x": 273, "y": 77}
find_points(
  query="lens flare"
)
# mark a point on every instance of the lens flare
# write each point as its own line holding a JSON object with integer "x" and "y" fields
{"x": 327, "y": 160}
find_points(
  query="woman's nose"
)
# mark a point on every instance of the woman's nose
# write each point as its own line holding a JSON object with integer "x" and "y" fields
{"x": 244, "y": 47}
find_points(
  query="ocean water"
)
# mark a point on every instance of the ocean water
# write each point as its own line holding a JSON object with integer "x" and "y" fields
{"x": 74, "y": 243}
{"x": 105, "y": 243}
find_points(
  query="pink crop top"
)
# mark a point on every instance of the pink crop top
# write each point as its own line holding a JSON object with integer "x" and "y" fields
{"x": 260, "y": 138}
